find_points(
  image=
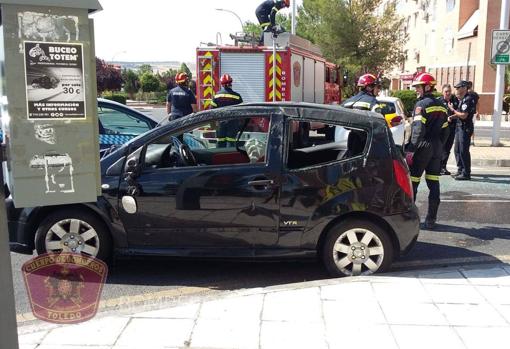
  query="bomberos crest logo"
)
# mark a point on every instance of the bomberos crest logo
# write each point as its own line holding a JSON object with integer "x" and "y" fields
{"x": 64, "y": 288}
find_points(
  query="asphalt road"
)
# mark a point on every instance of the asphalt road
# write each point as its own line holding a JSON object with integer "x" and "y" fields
{"x": 486, "y": 132}
{"x": 474, "y": 227}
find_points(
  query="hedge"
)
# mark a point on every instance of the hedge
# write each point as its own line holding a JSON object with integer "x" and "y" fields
{"x": 409, "y": 98}
{"x": 116, "y": 97}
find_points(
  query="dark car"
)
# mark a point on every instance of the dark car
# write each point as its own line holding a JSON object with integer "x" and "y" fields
{"x": 282, "y": 188}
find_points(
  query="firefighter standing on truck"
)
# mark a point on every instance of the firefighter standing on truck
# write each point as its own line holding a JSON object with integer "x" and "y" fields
{"x": 266, "y": 14}
{"x": 180, "y": 100}
{"x": 227, "y": 130}
{"x": 429, "y": 133}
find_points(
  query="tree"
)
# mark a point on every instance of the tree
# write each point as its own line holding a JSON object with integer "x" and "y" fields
{"x": 361, "y": 35}
{"x": 149, "y": 82}
{"x": 108, "y": 78}
{"x": 184, "y": 69}
{"x": 254, "y": 28}
{"x": 145, "y": 68}
{"x": 131, "y": 82}
{"x": 168, "y": 78}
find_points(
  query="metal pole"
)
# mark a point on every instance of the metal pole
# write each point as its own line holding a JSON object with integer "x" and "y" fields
{"x": 235, "y": 14}
{"x": 500, "y": 80}
{"x": 293, "y": 30}
{"x": 8, "y": 326}
{"x": 274, "y": 68}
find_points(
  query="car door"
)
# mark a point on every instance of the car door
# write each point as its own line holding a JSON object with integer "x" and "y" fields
{"x": 117, "y": 125}
{"x": 227, "y": 200}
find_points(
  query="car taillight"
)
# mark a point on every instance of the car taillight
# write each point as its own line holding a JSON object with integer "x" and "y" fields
{"x": 396, "y": 120}
{"x": 403, "y": 178}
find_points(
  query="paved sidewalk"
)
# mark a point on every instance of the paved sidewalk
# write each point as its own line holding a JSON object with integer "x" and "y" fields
{"x": 450, "y": 308}
{"x": 484, "y": 155}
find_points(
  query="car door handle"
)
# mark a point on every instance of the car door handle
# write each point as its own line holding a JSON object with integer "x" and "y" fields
{"x": 261, "y": 182}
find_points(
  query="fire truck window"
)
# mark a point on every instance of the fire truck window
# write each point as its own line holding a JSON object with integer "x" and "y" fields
{"x": 314, "y": 143}
{"x": 328, "y": 75}
{"x": 240, "y": 141}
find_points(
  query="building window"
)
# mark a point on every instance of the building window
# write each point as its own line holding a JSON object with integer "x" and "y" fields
{"x": 450, "y": 5}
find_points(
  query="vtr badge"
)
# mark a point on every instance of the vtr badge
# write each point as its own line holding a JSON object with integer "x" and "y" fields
{"x": 64, "y": 288}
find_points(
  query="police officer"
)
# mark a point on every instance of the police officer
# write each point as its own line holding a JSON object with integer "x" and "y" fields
{"x": 429, "y": 132}
{"x": 365, "y": 99}
{"x": 464, "y": 130}
{"x": 266, "y": 14}
{"x": 446, "y": 98}
{"x": 227, "y": 130}
{"x": 180, "y": 100}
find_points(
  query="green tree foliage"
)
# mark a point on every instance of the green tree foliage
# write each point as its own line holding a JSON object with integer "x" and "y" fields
{"x": 108, "y": 78}
{"x": 131, "y": 82}
{"x": 254, "y": 28}
{"x": 149, "y": 82}
{"x": 145, "y": 68}
{"x": 360, "y": 35}
{"x": 184, "y": 69}
{"x": 408, "y": 97}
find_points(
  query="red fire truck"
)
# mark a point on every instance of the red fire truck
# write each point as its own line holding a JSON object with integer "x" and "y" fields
{"x": 302, "y": 73}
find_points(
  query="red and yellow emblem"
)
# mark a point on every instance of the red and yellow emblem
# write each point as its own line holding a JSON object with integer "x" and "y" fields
{"x": 64, "y": 288}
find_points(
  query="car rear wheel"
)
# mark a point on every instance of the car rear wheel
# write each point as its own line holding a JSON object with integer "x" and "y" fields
{"x": 357, "y": 247}
{"x": 73, "y": 231}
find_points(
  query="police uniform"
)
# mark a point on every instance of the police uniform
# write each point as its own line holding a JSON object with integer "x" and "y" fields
{"x": 429, "y": 132}
{"x": 463, "y": 132}
{"x": 181, "y": 98}
{"x": 266, "y": 13}
{"x": 451, "y": 128}
{"x": 227, "y": 131}
{"x": 363, "y": 101}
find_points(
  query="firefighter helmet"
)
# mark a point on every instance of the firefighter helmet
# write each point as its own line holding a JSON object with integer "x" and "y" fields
{"x": 366, "y": 80}
{"x": 424, "y": 79}
{"x": 226, "y": 79}
{"x": 181, "y": 78}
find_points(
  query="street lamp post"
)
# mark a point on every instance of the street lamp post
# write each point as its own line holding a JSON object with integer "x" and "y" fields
{"x": 235, "y": 14}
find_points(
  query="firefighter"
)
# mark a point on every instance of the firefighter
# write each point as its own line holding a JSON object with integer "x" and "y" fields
{"x": 227, "y": 130}
{"x": 365, "y": 99}
{"x": 429, "y": 133}
{"x": 266, "y": 14}
{"x": 180, "y": 100}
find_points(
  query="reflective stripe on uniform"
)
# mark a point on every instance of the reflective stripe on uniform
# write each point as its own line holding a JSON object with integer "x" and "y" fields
{"x": 361, "y": 104}
{"x": 435, "y": 108}
{"x": 226, "y": 139}
{"x": 417, "y": 118}
{"x": 423, "y": 120}
{"x": 415, "y": 179}
{"x": 431, "y": 177}
{"x": 213, "y": 104}
{"x": 227, "y": 95}
{"x": 265, "y": 24}
{"x": 445, "y": 125}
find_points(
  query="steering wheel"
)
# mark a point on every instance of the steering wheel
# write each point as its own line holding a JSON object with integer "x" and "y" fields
{"x": 184, "y": 152}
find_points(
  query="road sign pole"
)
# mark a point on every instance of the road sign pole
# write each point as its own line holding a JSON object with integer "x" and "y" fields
{"x": 500, "y": 80}
{"x": 8, "y": 326}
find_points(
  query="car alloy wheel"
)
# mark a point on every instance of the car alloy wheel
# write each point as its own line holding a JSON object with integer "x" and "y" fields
{"x": 72, "y": 236}
{"x": 358, "y": 251}
{"x": 356, "y": 247}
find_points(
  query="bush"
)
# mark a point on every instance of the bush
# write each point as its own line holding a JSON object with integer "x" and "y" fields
{"x": 408, "y": 97}
{"x": 116, "y": 97}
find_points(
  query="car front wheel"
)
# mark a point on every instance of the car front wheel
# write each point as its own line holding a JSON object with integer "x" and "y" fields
{"x": 357, "y": 247}
{"x": 73, "y": 231}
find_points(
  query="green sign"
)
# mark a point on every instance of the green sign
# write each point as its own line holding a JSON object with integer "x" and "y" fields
{"x": 502, "y": 59}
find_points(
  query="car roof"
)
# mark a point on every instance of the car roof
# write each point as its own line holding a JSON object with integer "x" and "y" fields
{"x": 387, "y": 99}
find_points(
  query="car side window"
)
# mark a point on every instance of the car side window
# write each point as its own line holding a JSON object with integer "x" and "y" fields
{"x": 238, "y": 141}
{"x": 314, "y": 143}
{"x": 116, "y": 122}
{"x": 387, "y": 108}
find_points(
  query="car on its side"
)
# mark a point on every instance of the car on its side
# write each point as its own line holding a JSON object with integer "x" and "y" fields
{"x": 292, "y": 191}
{"x": 394, "y": 113}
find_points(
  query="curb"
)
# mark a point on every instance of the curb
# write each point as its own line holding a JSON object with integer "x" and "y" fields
{"x": 490, "y": 162}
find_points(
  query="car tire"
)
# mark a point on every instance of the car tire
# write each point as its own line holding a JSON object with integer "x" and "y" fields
{"x": 357, "y": 247}
{"x": 81, "y": 230}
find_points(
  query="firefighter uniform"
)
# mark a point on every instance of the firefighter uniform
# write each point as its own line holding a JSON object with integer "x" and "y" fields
{"x": 181, "y": 98}
{"x": 227, "y": 130}
{"x": 451, "y": 128}
{"x": 363, "y": 101}
{"x": 266, "y": 14}
{"x": 429, "y": 132}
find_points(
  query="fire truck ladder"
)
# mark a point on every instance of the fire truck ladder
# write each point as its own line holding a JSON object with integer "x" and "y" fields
{"x": 207, "y": 80}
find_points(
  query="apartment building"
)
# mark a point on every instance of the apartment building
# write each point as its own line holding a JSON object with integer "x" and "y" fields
{"x": 452, "y": 40}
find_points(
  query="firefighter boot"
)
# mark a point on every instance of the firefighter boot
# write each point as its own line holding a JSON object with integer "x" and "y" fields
{"x": 430, "y": 220}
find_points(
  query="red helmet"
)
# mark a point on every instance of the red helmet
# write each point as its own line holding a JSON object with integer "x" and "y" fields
{"x": 287, "y": 3}
{"x": 226, "y": 79}
{"x": 181, "y": 78}
{"x": 424, "y": 79}
{"x": 366, "y": 80}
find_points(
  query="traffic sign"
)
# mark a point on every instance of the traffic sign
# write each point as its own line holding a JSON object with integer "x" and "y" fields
{"x": 500, "y": 49}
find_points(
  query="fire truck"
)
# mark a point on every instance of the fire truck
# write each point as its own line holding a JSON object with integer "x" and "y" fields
{"x": 285, "y": 68}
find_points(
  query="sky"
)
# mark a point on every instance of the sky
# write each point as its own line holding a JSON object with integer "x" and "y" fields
{"x": 166, "y": 30}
